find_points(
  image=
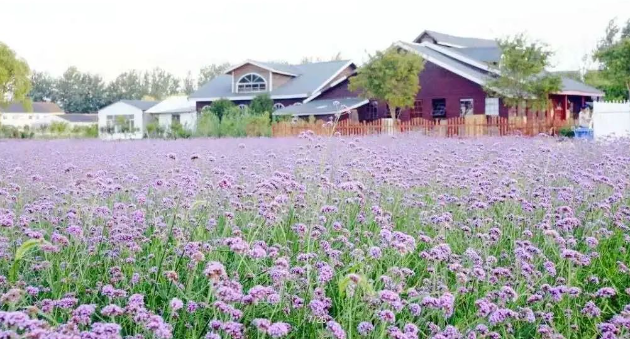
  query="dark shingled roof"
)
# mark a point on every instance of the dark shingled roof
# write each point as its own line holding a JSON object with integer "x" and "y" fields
{"x": 38, "y": 107}
{"x": 309, "y": 77}
{"x": 322, "y": 107}
{"x": 141, "y": 104}
{"x": 78, "y": 117}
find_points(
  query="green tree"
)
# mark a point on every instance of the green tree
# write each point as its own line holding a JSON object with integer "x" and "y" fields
{"x": 613, "y": 54}
{"x": 390, "y": 76}
{"x": 210, "y": 72}
{"x": 161, "y": 83}
{"x": 127, "y": 85}
{"x": 261, "y": 104}
{"x": 188, "y": 84}
{"x": 523, "y": 79}
{"x": 79, "y": 92}
{"x": 43, "y": 87}
{"x": 221, "y": 107}
{"x": 15, "y": 82}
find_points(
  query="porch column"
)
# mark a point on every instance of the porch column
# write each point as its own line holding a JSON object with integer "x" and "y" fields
{"x": 566, "y": 107}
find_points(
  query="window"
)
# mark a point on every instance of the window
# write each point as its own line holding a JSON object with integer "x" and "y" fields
{"x": 416, "y": 111}
{"x": 175, "y": 118}
{"x": 466, "y": 107}
{"x": 371, "y": 111}
{"x": 439, "y": 108}
{"x": 492, "y": 106}
{"x": 277, "y": 106}
{"x": 251, "y": 83}
{"x": 120, "y": 123}
{"x": 242, "y": 107}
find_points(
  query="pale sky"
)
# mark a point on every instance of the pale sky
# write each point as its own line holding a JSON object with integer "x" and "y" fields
{"x": 111, "y": 36}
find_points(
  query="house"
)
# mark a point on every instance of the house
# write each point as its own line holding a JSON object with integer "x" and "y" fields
{"x": 125, "y": 119}
{"x": 78, "y": 119}
{"x": 452, "y": 83}
{"x": 287, "y": 85}
{"x": 40, "y": 114}
{"x": 175, "y": 109}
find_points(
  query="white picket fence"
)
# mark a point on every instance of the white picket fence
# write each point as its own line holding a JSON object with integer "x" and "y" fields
{"x": 611, "y": 119}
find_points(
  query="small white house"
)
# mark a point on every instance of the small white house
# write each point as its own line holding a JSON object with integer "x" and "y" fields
{"x": 42, "y": 113}
{"x": 125, "y": 119}
{"x": 175, "y": 109}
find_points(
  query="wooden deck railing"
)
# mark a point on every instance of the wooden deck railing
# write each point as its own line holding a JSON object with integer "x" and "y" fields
{"x": 470, "y": 126}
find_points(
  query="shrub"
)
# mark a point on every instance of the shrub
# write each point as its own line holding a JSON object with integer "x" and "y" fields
{"x": 178, "y": 131}
{"x": 155, "y": 130}
{"x": 57, "y": 127}
{"x": 208, "y": 125}
{"x": 262, "y": 104}
{"x": 566, "y": 131}
{"x": 221, "y": 107}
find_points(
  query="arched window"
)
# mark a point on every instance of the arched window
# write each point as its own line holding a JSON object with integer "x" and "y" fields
{"x": 277, "y": 106}
{"x": 297, "y": 104}
{"x": 242, "y": 107}
{"x": 251, "y": 83}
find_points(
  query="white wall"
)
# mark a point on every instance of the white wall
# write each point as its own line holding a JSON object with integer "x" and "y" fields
{"x": 611, "y": 119}
{"x": 188, "y": 120}
{"x": 27, "y": 119}
{"x": 121, "y": 108}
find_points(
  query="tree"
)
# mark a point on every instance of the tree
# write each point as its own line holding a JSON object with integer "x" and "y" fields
{"x": 161, "y": 84}
{"x": 613, "y": 54}
{"x": 43, "y": 87}
{"x": 80, "y": 92}
{"x": 221, "y": 107}
{"x": 128, "y": 85}
{"x": 261, "y": 104}
{"x": 210, "y": 72}
{"x": 15, "y": 81}
{"x": 308, "y": 60}
{"x": 523, "y": 79}
{"x": 390, "y": 76}
{"x": 188, "y": 85}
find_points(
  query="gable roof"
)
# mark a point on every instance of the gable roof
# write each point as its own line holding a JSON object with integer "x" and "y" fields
{"x": 450, "y": 63}
{"x": 322, "y": 107}
{"x": 309, "y": 79}
{"x": 274, "y": 67}
{"x": 78, "y": 117}
{"x": 37, "y": 107}
{"x": 141, "y": 104}
{"x": 468, "y": 63}
{"x": 455, "y": 41}
{"x": 176, "y": 104}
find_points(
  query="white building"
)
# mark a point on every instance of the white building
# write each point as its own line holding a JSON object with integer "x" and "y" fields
{"x": 125, "y": 119}
{"x": 42, "y": 113}
{"x": 175, "y": 109}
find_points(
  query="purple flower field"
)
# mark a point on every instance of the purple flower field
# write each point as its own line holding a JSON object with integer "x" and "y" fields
{"x": 403, "y": 238}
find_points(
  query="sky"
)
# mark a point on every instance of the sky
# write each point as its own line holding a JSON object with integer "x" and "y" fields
{"x": 109, "y": 37}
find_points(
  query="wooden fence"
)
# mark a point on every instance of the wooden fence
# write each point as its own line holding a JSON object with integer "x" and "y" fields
{"x": 470, "y": 126}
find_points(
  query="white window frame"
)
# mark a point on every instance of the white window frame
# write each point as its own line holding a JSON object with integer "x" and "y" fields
{"x": 492, "y": 106}
{"x": 255, "y": 87}
{"x": 472, "y": 107}
{"x": 277, "y": 106}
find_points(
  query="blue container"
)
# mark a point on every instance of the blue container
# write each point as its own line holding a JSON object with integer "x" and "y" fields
{"x": 583, "y": 133}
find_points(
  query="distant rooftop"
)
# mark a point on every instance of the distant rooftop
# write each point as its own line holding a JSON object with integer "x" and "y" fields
{"x": 37, "y": 107}
{"x": 79, "y": 117}
{"x": 454, "y": 41}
